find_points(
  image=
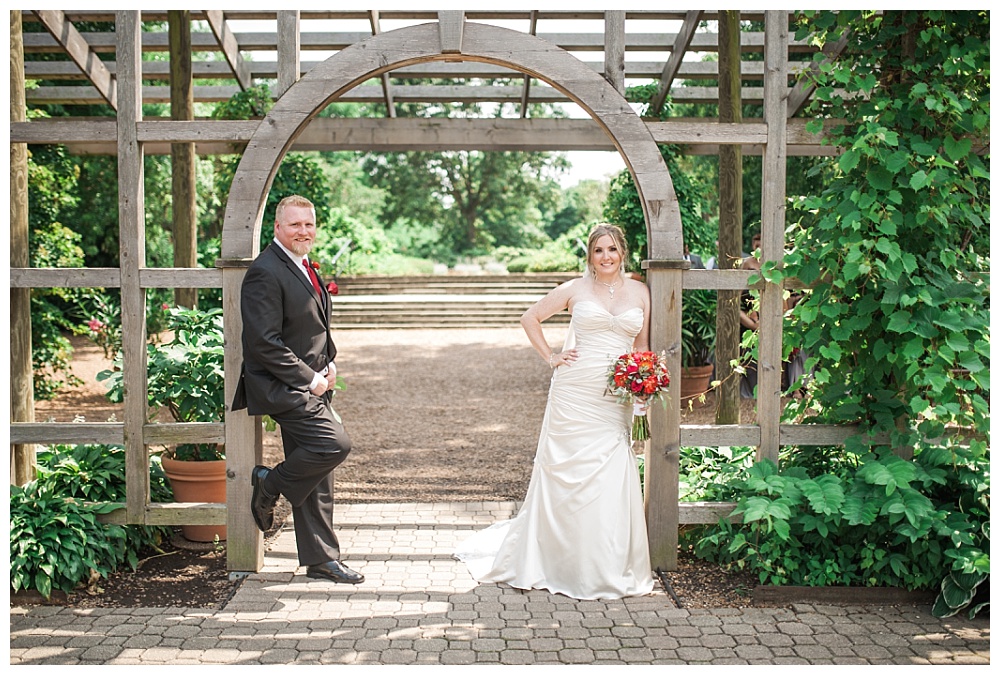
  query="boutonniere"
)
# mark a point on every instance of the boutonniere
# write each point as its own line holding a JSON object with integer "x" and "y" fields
{"x": 315, "y": 265}
{"x": 332, "y": 288}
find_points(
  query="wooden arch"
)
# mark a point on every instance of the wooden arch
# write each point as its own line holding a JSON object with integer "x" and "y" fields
{"x": 450, "y": 41}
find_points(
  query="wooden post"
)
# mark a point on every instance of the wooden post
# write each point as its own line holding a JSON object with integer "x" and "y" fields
{"x": 182, "y": 155}
{"x": 22, "y": 402}
{"x": 614, "y": 49}
{"x": 132, "y": 256}
{"x": 772, "y": 215}
{"x": 727, "y": 327}
{"x": 662, "y": 490}
{"x": 244, "y": 436}
{"x": 289, "y": 49}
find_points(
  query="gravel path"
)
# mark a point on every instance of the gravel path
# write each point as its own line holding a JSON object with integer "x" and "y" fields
{"x": 438, "y": 415}
{"x": 442, "y": 415}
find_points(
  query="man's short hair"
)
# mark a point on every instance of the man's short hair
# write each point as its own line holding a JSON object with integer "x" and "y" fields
{"x": 292, "y": 200}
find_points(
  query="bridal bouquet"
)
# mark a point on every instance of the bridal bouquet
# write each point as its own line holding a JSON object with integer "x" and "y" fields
{"x": 639, "y": 375}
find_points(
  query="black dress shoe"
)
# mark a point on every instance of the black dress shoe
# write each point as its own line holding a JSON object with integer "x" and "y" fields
{"x": 335, "y": 571}
{"x": 262, "y": 503}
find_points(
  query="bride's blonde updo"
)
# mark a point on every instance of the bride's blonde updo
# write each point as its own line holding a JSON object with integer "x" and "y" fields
{"x": 615, "y": 233}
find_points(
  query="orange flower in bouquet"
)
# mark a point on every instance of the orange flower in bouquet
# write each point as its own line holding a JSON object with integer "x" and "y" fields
{"x": 639, "y": 377}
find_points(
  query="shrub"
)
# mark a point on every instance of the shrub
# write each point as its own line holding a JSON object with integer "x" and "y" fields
{"x": 186, "y": 375}
{"x": 885, "y": 522}
{"x": 57, "y": 541}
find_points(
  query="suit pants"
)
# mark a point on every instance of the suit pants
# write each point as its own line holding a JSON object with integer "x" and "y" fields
{"x": 315, "y": 443}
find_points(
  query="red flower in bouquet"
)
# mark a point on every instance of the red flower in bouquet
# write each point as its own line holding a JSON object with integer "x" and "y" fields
{"x": 642, "y": 376}
{"x": 332, "y": 288}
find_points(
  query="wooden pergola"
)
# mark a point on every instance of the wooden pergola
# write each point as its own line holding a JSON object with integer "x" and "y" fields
{"x": 366, "y": 65}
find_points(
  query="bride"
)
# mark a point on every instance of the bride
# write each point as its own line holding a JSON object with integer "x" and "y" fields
{"x": 581, "y": 531}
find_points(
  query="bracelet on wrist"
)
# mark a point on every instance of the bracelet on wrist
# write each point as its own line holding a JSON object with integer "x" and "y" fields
{"x": 551, "y": 356}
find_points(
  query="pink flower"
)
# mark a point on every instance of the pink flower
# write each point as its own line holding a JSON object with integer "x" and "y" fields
{"x": 332, "y": 287}
{"x": 95, "y": 325}
{"x": 165, "y": 307}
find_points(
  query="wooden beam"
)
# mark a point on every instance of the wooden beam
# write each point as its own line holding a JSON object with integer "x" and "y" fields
{"x": 52, "y": 433}
{"x": 156, "y": 41}
{"x": 614, "y": 49}
{"x": 110, "y": 277}
{"x": 696, "y": 435}
{"x": 230, "y": 46}
{"x": 85, "y": 95}
{"x": 527, "y": 78}
{"x": 244, "y": 434}
{"x": 183, "y": 157}
{"x": 680, "y": 47}
{"x": 705, "y": 513}
{"x": 132, "y": 257}
{"x": 80, "y": 52}
{"x": 22, "y": 401}
{"x": 662, "y": 467}
{"x": 413, "y": 14}
{"x": 772, "y": 216}
{"x": 730, "y": 239}
{"x": 175, "y": 513}
{"x": 390, "y": 107}
{"x": 160, "y": 70}
{"x": 113, "y": 433}
{"x": 804, "y": 88}
{"x": 97, "y": 136}
{"x": 451, "y": 25}
{"x": 289, "y": 63}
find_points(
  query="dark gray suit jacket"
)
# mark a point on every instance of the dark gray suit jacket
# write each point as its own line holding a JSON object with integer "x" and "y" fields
{"x": 286, "y": 335}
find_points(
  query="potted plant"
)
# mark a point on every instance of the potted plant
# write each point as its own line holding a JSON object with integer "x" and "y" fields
{"x": 697, "y": 342}
{"x": 186, "y": 378}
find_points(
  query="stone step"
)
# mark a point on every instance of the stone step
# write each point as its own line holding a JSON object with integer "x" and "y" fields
{"x": 382, "y": 314}
{"x": 494, "y": 301}
{"x": 453, "y": 284}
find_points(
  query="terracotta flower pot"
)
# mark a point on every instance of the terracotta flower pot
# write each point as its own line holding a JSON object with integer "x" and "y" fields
{"x": 198, "y": 482}
{"x": 695, "y": 381}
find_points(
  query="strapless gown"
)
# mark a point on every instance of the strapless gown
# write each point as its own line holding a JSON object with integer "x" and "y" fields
{"x": 581, "y": 530}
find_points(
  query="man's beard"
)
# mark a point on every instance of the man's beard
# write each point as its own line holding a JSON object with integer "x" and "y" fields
{"x": 301, "y": 248}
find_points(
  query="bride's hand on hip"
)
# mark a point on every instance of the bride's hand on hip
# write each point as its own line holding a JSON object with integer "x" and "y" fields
{"x": 565, "y": 358}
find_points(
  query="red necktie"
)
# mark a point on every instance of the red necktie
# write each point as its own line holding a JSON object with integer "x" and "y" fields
{"x": 312, "y": 276}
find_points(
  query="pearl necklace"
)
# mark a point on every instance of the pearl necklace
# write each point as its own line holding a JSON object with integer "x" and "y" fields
{"x": 611, "y": 287}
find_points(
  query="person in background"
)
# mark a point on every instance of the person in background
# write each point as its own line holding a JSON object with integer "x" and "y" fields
{"x": 693, "y": 258}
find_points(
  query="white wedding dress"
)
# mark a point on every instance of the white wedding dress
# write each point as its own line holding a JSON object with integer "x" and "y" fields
{"x": 581, "y": 531}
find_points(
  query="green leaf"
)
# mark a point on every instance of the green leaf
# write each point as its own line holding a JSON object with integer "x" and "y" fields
{"x": 897, "y": 161}
{"x": 849, "y": 160}
{"x": 859, "y": 510}
{"x": 825, "y": 494}
{"x": 887, "y": 227}
{"x": 782, "y": 529}
{"x": 954, "y": 595}
{"x": 919, "y": 180}
{"x": 755, "y": 509}
{"x": 969, "y": 580}
{"x": 957, "y": 149}
{"x": 879, "y": 178}
{"x": 900, "y": 321}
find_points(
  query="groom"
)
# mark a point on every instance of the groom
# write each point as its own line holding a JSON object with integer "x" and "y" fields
{"x": 288, "y": 373}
